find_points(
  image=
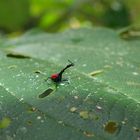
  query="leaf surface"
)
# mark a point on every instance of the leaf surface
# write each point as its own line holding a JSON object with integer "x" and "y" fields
{"x": 102, "y": 100}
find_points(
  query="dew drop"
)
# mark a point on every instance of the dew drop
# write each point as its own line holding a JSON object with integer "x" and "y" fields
{"x": 84, "y": 65}
{"x": 124, "y": 121}
{"x": 79, "y": 78}
{"x": 62, "y": 84}
{"x": 88, "y": 134}
{"x": 38, "y": 117}
{"x": 60, "y": 122}
{"x": 18, "y": 75}
{"x": 75, "y": 97}
{"x": 7, "y": 89}
{"x": 135, "y": 73}
{"x": 73, "y": 109}
{"x": 21, "y": 99}
{"x": 98, "y": 107}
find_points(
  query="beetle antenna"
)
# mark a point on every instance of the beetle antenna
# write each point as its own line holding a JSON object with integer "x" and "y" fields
{"x": 72, "y": 64}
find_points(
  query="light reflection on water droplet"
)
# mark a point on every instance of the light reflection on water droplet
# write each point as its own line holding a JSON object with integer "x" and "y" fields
{"x": 60, "y": 122}
{"x": 18, "y": 75}
{"x": 75, "y": 97}
{"x": 62, "y": 84}
{"x": 84, "y": 65}
{"x": 79, "y": 78}
{"x": 98, "y": 107}
{"x": 21, "y": 99}
{"x": 7, "y": 89}
{"x": 135, "y": 73}
{"x": 73, "y": 109}
{"x": 38, "y": 117}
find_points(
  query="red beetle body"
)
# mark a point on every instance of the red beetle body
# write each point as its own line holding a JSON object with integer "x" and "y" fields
{"x": 54, "y": 76}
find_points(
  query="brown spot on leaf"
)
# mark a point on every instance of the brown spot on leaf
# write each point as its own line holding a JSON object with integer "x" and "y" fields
{"x": 111, "y": 127}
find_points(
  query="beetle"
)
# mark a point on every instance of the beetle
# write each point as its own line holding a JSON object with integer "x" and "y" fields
{"x": 57, "y": 77}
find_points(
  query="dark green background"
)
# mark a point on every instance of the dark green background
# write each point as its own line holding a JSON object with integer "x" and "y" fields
{"x": 58, "y": 15}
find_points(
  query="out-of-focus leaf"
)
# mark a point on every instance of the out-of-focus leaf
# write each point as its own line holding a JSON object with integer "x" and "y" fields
{"x": 14, "y": 14}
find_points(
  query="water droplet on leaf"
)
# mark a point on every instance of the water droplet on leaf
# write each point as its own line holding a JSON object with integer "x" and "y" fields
{"x": 88, "y": 134}
{"x": 38, "y": 117}
{"x": 98, "y": 107}
{"x": 73, "y": 109}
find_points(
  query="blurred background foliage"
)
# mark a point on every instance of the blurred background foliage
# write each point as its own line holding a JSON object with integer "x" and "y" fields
{"x": 58, "y": 15}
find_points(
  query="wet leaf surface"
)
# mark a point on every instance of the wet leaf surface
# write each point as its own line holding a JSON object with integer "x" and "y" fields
{"x": 103, "y": 85}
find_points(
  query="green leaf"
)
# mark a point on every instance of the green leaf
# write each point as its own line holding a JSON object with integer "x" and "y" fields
{"x": 26, "y": 122}
{"x": 102, "y": 99}
{"x": 13, "y": 14}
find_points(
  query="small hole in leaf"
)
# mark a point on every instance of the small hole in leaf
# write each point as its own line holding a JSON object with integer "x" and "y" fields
{"x": 18, "y": 56}
{"x": 29, "y": 122}
{"x": 46, "y": 93}
{"x": 97, "y": 72}
{"x": 111, "y": 127}
{"x": 136, "y": 129}
{"x": 37, "y": 72}
{"x": 12, "y": 66}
